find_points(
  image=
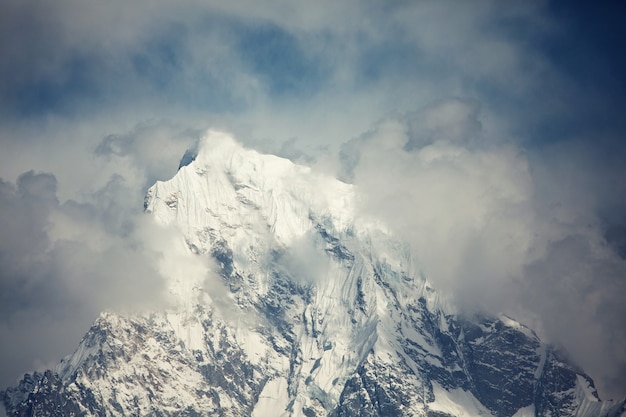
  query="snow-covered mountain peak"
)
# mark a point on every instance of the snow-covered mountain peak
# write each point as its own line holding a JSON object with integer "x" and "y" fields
{"x": 285, "y": 303}
{"x": 235, "y": 187}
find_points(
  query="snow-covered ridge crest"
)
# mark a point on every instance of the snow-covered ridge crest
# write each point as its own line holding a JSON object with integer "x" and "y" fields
{"x": 257, "y": 204}
{"x": 224, "y": 175}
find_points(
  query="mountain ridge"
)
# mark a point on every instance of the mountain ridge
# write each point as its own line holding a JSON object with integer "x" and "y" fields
{"x": 297, "y": 307}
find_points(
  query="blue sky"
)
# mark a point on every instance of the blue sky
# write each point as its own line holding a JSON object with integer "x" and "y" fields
{"x": 99, "y": 100}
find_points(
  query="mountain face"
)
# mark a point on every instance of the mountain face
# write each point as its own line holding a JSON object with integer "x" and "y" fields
{"x": 283, "y": 302}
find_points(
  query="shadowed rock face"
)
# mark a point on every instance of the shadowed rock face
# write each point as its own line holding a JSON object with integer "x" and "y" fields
{"x": 315, "y": 314}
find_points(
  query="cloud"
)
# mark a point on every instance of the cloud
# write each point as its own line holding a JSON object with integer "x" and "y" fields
{"x": 64, "y": 260}
{"x": 588, "y": 279}
{"x": 467, "y": 212}
{"x": 303, "y": 261}
{"x": 498, "y": 229}
{"x": 63, "y": 263}
{"x": 271, "y": 69}
{"x": 150, "y": 147}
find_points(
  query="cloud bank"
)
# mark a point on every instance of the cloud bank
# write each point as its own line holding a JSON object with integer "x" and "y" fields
{"x": 61, "y": 265}
{"x": 498, "y": 229}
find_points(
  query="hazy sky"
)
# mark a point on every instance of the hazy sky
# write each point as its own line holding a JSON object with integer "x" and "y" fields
{"x": 490, "y": 134}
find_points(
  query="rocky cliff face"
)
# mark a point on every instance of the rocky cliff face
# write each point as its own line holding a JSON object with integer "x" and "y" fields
{"x": 298, "y": 308}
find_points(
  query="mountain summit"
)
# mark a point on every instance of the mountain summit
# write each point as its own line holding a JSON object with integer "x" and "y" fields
{"x": 282, "y": 301}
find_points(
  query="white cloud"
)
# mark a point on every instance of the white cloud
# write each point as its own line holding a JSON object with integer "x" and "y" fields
{"x": 66, "y": 259}
{"x": 467, "y": 212}
{"x": 497, "y": 230}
